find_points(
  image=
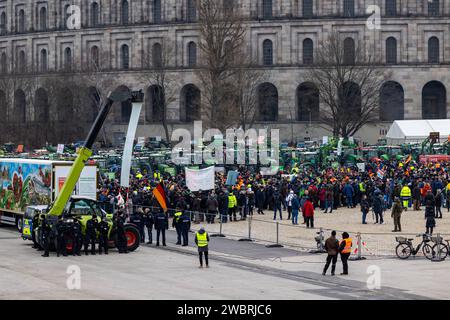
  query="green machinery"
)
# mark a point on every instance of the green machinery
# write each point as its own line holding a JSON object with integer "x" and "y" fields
{"x": 71, "y": 207}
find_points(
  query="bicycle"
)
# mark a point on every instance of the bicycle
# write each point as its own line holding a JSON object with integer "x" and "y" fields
{"x": 405, "y": 247}
{"x": 444, "y": 248}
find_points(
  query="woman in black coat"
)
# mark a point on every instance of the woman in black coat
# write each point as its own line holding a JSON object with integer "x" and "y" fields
{"x": 429, "y": 213}
{"x": 260, "y": 199}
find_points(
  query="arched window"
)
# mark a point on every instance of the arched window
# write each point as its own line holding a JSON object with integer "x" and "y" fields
{"x": 349, "y": 8}
{"x": 155, "y": 104}
{"x": 43, "y": 19}
{"x": 125, "y": 57}
{"x": 392, "y": 102}
{"x": 267, "y": 9}
{"x": 190, "y": 103}
{"x": 433, "y": 8}
{"x": 3, "y": 64}
{"x": 20, "y": 107}
{"x": 307, "y": 8}
{"x": 156, "y": 11}
{"x": 228, "y": 7}
{"x": 3, "y": 107}
{"x": 94, "y": 14}
{"x": 308, "y": 51}
{"x": 433, "y": 50}
{"x": 268, "y": 102}
{"x": 434, "y": 101}
{"x": 68, "y": 59}
{"x": 64, "y": 101}
{"x": 350, "y": 96}
{"x": 191, "y": 11}
{"x": 391, "y": 8}
{"x": 41, "y": 107}
{"x": 124, "y": 12}
{"x": 21, "y": 62}
{"x": 157, "y": 55}
{"x": 307, "y": 102}
{"x": 192, "y": 54}
{"x": 21, "y": 21}
{"x": 43, "y": 59}
{"x": 95, "y": 63}
{"x": 267, "y": 52}
{"x": 349, "y": 51}
{"x": 3, "y": 23}
{"x": 391, "y": 50}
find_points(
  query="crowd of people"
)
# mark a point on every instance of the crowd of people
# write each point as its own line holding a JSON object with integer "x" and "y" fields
{"x": 383, "y": 185}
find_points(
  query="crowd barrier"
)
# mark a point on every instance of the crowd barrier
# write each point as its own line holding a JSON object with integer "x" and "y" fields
{"x": 284, "y": 233}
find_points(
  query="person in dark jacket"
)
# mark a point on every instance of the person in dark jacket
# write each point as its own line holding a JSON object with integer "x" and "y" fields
{"x": 121, "y": 240}
{"x": 212, "y": 205}
{"x": 103, "y": 229}
{"x": 438, "y": 204}
{"x": 185, "y": 226}
{"x": 259, "y": 200}
{"x": 365, "y": 207}
{"x": 378, "y": 206}
{"x": 45, "y": 233}
{"x": 332, "y": 246}
{"x": 396, "y": 214}
{"x": 277, "y": 204}
{"x": 77, "y": 237}
{"x": 61, "y": 231}
{"x": 137, "y": 218}
{"x": 295, "y": 209}
{"x": 417, "y": 197}
{"x": 91, "y": 235}
{"x": 429, "y": 213}
{"x": 161, "y": 225}
{"x": 149, "y": 222}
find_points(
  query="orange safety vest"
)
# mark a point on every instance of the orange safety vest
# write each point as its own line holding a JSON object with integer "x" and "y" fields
{"x": 348, "y": 245}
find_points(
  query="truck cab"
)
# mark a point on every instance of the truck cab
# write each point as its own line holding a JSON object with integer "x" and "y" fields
{"x": 30, "y": 212}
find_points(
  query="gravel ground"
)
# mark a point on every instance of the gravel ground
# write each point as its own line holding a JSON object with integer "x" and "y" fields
{"x": 377, "y": 239}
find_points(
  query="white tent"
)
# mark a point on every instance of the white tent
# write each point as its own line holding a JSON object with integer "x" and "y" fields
{"x": 417, "y": 130}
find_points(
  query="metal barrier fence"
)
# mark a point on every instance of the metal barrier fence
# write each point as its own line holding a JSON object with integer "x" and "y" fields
{"x": 284, "y": 233}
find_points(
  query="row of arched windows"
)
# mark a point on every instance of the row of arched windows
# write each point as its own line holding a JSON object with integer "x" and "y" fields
{"x": 348, "y": 8}
{"x": 392, "y": 99}
{"x": 349, "y": 54}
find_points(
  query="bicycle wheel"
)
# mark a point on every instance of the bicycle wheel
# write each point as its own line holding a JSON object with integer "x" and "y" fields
{"x": 428, "y": 251}
{"x": 444, "y": 250}
{"x": 403, "y": 251}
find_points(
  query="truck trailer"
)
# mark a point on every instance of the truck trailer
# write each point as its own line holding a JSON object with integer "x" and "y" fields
{"x": 30, "y": 182}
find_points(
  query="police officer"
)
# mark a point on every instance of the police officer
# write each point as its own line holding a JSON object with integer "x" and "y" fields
{"x": 149, "y": 222}
{"x": 137, "y": 218}
{"x": 103, "y": 229}
{"x": 120, "y": 230}
{"x": 61, "y": 229}
{"x": 161, "y": 225}
{"x": 185, "y": 226}
{"x": 35, "y": 225}
{"x": 77, "y": 237}
{"x": 91, "y": 234}
{"x": 46, "y": 230}
{"x": 176, "y": 223}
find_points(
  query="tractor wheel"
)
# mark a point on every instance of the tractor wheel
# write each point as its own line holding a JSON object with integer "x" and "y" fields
{"x": 133, "y": 237}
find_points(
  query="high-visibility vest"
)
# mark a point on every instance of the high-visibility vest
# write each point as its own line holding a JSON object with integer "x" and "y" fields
{"x": 231, "y": 201}
{"x": 348, "y": 245}
{"x": 406, "y": 192}
{"x": 177, "y": 216}
{"x": 202, "y": 239}
{"x": 361, "y": 187}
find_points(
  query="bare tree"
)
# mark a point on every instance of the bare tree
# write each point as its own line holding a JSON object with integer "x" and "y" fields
{"x": 162, "y": 84}
{"x": 348, "y": 79}
{"x": 222, "y": 36}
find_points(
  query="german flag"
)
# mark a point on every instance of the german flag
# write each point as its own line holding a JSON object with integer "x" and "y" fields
{"x": 160, "y": 195}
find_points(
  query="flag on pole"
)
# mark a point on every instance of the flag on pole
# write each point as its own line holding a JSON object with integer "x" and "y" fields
{"x": 160, "y": 196}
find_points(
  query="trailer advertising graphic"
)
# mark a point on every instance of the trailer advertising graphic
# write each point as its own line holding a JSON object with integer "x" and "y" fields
{"x": 24, "y": 184}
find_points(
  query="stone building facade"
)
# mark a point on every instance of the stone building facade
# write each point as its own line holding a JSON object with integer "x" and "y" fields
{"x": 123, "y": 37}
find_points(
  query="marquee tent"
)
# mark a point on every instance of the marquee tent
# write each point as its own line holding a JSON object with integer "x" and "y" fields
{"x": 403, "y": 131}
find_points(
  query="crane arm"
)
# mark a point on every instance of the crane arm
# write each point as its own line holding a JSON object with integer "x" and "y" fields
{"x": 85, "y": 152}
